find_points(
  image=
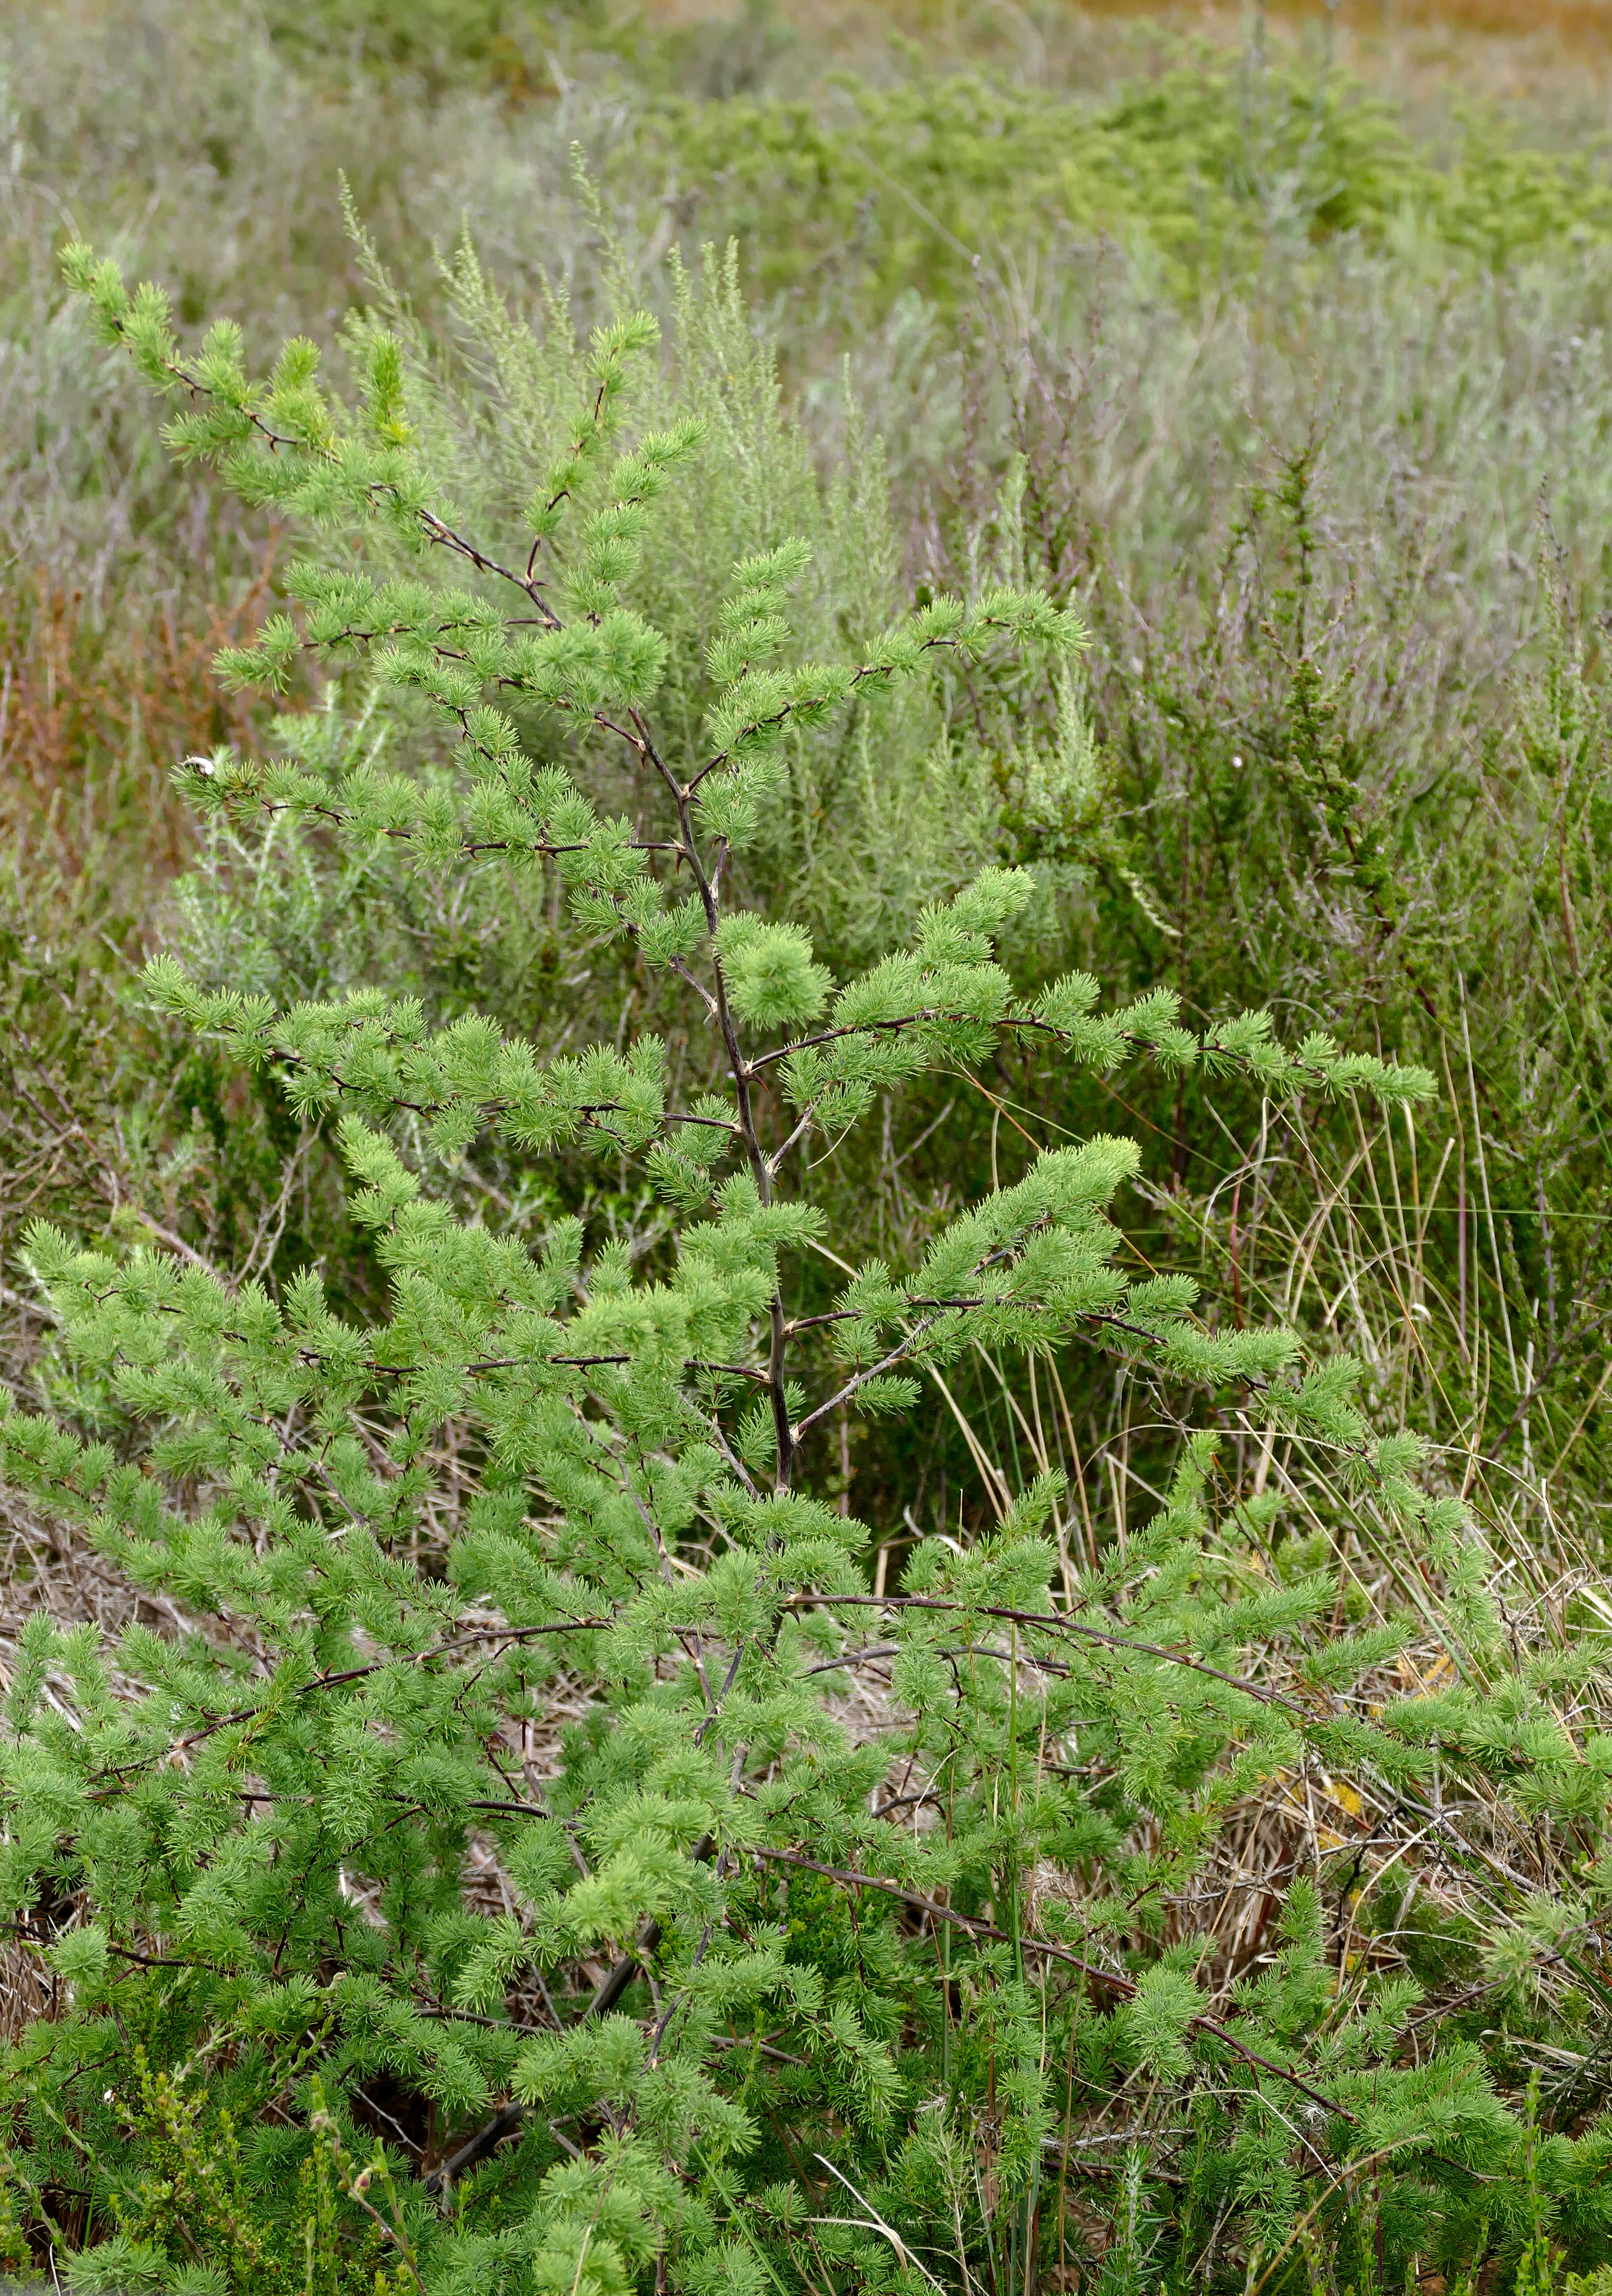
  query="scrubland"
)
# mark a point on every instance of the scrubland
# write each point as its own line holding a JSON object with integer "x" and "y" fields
{"x": 1273, "y": 350}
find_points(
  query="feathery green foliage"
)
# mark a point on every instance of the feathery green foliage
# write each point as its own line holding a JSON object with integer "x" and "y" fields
{"x": 738, "y": 1980}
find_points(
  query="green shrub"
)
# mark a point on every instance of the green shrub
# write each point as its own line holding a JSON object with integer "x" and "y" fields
{"x": 537, "y": 1752}
{"x": 898, "y": 187}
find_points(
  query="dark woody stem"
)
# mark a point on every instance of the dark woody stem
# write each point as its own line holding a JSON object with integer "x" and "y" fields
{"x": 761, "y": 1169}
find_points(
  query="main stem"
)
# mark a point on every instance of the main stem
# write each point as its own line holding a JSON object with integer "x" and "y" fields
{"x": 760, "y": 1171}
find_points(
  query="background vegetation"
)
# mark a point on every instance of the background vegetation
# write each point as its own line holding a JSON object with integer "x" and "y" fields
{"x": 1277, "y": 347}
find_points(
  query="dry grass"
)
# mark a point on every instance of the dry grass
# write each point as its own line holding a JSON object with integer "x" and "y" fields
{"x": 105, "y": 636}
{"x": 94, "y": 712}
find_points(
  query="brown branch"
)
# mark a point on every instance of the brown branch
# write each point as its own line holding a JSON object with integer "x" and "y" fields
{"x": 743, "y": 1071}
{"x": 1125, "y": 1987}
{"x": 358, "y": 1674}
{"x": 1053, "y": 1623}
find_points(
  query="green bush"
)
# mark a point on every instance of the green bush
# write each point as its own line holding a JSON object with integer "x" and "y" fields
{"x": 900, "y": 186}
{"x": 552, "y": 1846}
